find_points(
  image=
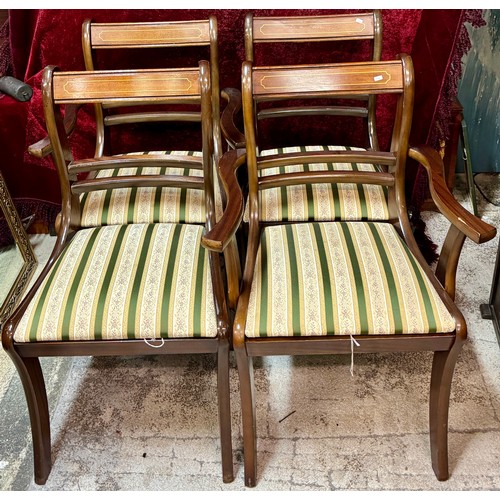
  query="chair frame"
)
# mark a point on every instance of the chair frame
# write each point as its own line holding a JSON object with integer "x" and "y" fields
{"x": 322, "y": 80}
{"x": 25, "y": 356}
{"x": 170, "y": 34}
{"x": 334, "y": 28}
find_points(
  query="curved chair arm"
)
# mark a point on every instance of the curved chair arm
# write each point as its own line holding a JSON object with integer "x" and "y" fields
{"x": 470, "y": 225}
{"x": 43, "y": 147}
{"x": 232, "y": 134}
{"x": 221, "y": 234}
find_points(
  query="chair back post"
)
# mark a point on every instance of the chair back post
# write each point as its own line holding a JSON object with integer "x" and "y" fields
{"x": 208, "y": 142}
{"x": 61, "y": 152}
{"x": 400, "y": 143}
{"x": 249, "y": 121}
{"x": 377, "y": 35}
{"x": 249, "y": 37}
{"x": 214, "y": 69}
{"x": 89, "y": 66}
{"x": 372, "y": 99}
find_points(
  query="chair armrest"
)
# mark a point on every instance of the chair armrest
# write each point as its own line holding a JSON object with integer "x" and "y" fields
{"x": 470, "y": 225}
{"x": 43, "y": 147}
{"x": 221, "y": 233}
{"x": 232, "y": 134}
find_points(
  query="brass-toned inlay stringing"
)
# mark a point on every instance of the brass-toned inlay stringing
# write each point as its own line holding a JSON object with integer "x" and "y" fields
{"x": 167, "y": 35}
{"x": 319, "y": 29}
{"x": 370, "y": 77}
{"x": 158, "y": 84}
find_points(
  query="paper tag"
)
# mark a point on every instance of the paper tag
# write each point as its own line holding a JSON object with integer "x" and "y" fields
{"x": 360, "y": 21}
{"x": 378, "y": 78}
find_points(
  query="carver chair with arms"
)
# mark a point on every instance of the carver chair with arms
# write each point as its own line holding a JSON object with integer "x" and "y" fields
{"x": 126, "y": 288}
{"x": 342, "y": 287}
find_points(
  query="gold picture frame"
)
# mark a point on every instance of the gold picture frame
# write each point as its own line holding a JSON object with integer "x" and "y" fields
{"x": 22, "y": 241}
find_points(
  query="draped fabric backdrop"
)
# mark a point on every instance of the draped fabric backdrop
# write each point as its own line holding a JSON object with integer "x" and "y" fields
{"x": 436, "y": 40}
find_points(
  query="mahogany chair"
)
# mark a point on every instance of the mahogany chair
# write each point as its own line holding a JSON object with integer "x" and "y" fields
{"x": 342, "y": 287}
{"x": 295, "y": 203}
{"x": 151, "y": 204}
{"x": 172, "y": 35}
{"x": 131, "y": 288}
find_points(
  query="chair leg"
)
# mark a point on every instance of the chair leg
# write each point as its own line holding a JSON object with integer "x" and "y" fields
{"x": 225, "y": 413}
{"x": 245, "y": 371}
{"x": 31, "y": 375}
{"x": 443, "y": 366}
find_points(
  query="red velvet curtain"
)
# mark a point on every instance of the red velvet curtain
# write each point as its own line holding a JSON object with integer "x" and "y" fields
{"x": 51, "y": 36}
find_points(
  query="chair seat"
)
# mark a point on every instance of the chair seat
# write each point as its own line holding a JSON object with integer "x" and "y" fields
{"x": 147, "y": 205}
{"x": 321, "y": 202}
{"x": 138, "y": 281}
{"x": 340, "y": 278}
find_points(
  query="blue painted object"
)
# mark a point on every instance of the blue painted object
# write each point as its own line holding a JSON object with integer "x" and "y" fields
{"x": 479, "y": 94}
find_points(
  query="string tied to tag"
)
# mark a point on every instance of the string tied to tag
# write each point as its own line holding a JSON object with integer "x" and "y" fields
{"x": 149, "y": 343}
{"x": 353, "y": 341}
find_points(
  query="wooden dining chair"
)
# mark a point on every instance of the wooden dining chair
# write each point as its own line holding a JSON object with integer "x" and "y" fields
{"x": 342, "y": 287}
{"x": 294, "y": 203}
{"x": 170, "y": 36}
{"x": 127, "y": 288}
{"x": 151, "y": 204}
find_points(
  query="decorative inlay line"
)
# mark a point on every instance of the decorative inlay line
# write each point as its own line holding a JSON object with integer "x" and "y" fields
{"x": 142, "y": 35}
{"x": 299, "y": 29}
{"x": 95, "y": 87}
{"x": 371, "y": 77}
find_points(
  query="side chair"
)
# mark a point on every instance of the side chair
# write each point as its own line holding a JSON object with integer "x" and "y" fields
{"x": 151, "y": 204}
{"x": 318, "y": 202}
{"x": 119, "y": 289}
{"x": 341, "y": 287}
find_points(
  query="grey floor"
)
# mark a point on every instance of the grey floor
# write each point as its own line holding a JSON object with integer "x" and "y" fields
{"x": 151, "y": 423}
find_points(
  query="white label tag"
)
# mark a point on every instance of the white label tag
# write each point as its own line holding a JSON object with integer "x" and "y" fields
{"x": 360, "y": 21}
{"x": 378, "y": 78}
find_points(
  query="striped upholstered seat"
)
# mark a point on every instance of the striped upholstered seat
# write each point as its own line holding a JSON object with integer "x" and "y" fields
{"x": 321, "y": 202}
{"x": 159, "y": 285}
{"x": 340, "y": 278}
{"x": 146, "y": 205}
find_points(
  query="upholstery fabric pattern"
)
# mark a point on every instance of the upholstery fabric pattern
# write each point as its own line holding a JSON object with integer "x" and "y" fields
{"x": 147, "y": 205}
{"x": 340, "y": 278}
{"x": 320, "y": 202}
{"x": 124, "y": 282}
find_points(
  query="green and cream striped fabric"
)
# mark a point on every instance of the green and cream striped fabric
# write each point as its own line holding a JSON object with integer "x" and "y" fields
{"x": 340, "y": 278}
{"x": 146, "y": 205}
{"x": 321, "y": 202}
{"x": 139, "y": 281}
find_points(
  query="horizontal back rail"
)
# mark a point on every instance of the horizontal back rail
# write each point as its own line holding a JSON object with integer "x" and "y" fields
{"x": 335, "y": 79}
{"x": 133, "y": 181}
{"x": 156, "y": 116}
{"x": 282, "y": 160}
{"x": 132, "y": 161}
{"x": 313, "y": 28}
{"x": 326, "y": 177}
{"x": 144, "y": 35}
{"x": 124, "y": 86}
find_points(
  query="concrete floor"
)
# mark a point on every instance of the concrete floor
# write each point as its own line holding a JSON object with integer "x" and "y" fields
{"x": 151, "y": 423}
